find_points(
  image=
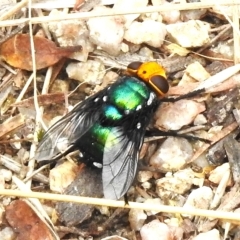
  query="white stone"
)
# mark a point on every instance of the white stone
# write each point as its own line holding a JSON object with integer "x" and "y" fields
{"x": 91, "y": 72}
{"x": 156, "y": 230}
{"x": 148, "y": 31}
{"x": 200, "y": 199}
{"x": 170, "y": 116}
{"x": 217, "y": 174}
{"x": 193, "y": 33}
{"x": 106, "y": 32}
{"x": 172, "y": 155}
{"x": 71, "y": 33}
{"x": 62, "y": 175}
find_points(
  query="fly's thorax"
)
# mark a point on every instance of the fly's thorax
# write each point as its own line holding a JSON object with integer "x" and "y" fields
{"x": 128, "y": 96}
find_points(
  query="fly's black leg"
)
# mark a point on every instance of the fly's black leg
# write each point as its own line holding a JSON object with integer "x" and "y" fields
{"x": 188, "y": 95}
{"x": 126, "y": 199}
{"x": 170, "y": 133}
{"x": 159, "y": 133}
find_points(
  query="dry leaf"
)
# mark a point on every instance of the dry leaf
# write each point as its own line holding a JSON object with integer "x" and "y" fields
{"x": 16, "y": 51}
{"x": 176, "y": 49}
{"x": 26, "y": 223}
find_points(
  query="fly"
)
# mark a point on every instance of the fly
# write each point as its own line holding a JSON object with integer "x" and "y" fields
{"x": 109, "y": 127}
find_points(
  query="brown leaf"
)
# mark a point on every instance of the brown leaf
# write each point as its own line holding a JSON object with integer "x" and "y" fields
{"x": 16, "y": 51}
{"x": 26, "y": 222}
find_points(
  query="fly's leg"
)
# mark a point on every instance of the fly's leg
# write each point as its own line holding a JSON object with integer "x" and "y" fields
{"x": 159, "y": 133}
{"x": 188, "y": 95}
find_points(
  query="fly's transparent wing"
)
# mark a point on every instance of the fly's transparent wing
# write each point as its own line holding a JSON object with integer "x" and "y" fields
{"x": 61, "y": 137}
{"x": 120, "y": 161}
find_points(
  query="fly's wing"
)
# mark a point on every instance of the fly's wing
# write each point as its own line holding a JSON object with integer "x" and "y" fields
{"x": 61, "y": 137}
{"x": 120, "y": 161}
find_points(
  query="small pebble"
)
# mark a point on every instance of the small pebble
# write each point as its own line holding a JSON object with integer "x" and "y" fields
{"x": 144, "y": 176}
{"x": 71, "y": 33}
{"x": 7, "y": 233}
{"x": 196, "y": 72}
{"x": 146, "y": 52}
{"x": 156, "y": 230}
{"x": 172, "y": 155}
{"x": 225, "y": 48}
{"x": 106, "y": 32}
{"x": 91, "y": 72}
{"x": 7, "y": 174}
{"x": 60, "y": 86}
{"x": 170, "y": 116}
{"x": 151, "y": 32}
{"x": 200, "y": 199}
{"x": 217, "y": 174}
{"x": 200, "y": 120}
{"x": 193, "y": 33}
{"x": 170, "y": 16}
{"x": 167, "y": 186}
{"x": 16, "y": 145}
{"x": 146, "y": 185}
{"x": 62, "y": 175}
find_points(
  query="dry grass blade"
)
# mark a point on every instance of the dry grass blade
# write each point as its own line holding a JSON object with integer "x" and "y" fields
{"x": 219, "y": 77}
{"x": 14, "y": 9}
{"x": 132, "y": 205}
{"x": 86, "y": 15}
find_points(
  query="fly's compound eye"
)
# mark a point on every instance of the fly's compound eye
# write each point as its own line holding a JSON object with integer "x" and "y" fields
{"x": 160, "y": 84}
{"x": 134, "y": 66}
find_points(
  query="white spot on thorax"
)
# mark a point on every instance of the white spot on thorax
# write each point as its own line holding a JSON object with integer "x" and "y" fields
{"x": 98, "y": 165}
{"x": 150, "y": 99}
{"x": 139, "y": 125}
{"x": 138, "y": 107}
